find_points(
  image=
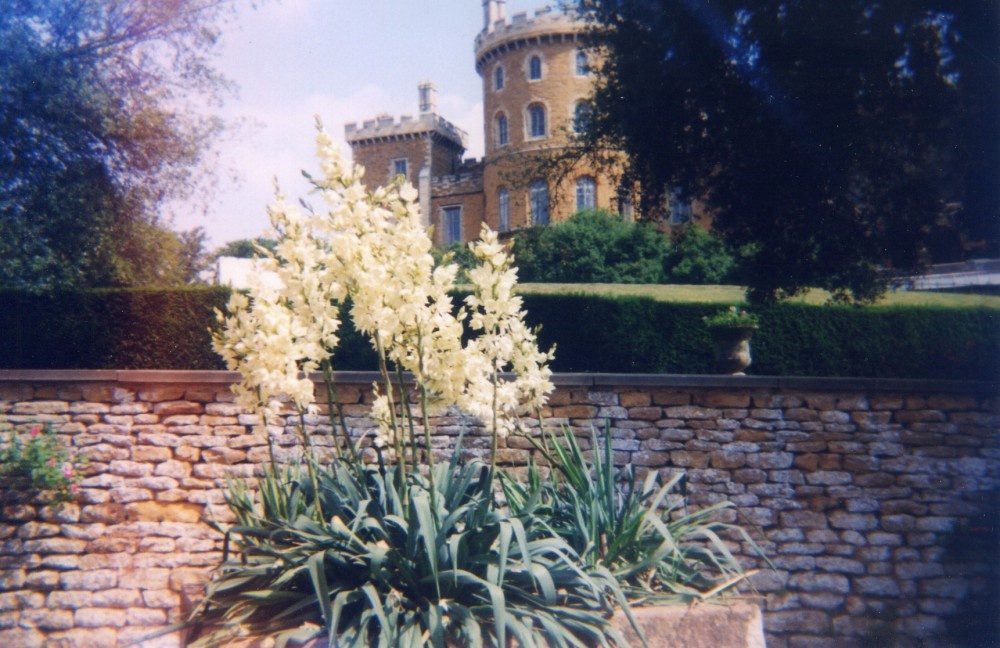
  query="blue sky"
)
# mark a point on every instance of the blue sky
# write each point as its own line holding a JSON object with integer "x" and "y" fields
{"x": 345, "y": 61}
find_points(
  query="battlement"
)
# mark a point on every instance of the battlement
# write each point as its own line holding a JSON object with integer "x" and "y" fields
{"x": 385, "y": 126}
{"x": 509, "y": 32}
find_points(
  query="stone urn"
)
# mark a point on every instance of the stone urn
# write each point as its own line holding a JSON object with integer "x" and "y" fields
{"x": 732, "y": 348}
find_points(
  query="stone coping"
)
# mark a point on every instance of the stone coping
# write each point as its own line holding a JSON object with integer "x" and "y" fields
{"x": 669, "y": 381}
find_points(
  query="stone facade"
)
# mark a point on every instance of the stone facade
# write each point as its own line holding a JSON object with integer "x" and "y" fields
{"x": 875, "y": 501}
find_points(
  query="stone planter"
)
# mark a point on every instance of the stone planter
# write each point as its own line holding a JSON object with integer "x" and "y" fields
{"x": 734, "y": 623}
{"x": 718, "y": 624}
{"x": 732, "y": 348}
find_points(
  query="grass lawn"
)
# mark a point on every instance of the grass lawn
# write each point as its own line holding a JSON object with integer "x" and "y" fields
{"x": 735, "y": 294}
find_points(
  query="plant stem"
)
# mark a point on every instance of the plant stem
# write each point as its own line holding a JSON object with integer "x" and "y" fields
{"x": 394, "y": 422}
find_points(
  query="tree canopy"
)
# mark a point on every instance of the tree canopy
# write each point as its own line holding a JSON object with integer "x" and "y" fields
{"x": 97, "y": 131}
{"x": 833, "y": 142}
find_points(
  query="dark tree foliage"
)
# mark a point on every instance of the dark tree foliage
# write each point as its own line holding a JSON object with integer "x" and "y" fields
{"x": 96, "y": 133}
{"x": 836, "y": 142}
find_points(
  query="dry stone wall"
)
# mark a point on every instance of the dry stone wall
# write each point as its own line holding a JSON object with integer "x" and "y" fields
{"x": 876, "y": 502}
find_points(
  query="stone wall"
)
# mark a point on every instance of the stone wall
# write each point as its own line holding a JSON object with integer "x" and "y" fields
{"x": 876, "y": 501}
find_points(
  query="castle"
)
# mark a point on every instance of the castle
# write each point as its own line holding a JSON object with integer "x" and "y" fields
{"x": 536, "y": 79}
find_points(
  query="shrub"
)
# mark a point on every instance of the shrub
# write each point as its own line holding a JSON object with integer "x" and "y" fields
{"x": 641, "y": 532}
{"x": 37, "y": 461}
{"x": 593, "y": 246}
{"x": 696, "y": 256}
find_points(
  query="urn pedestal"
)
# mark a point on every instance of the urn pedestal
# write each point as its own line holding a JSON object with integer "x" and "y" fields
{"x": 732, "y": 348}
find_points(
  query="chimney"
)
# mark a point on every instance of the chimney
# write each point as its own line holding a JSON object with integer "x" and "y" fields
{"x": 428, "y": 97}
{"x": 493, "y": 11}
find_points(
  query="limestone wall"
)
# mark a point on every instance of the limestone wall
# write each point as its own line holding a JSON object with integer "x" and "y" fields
{"x": 876, "y": 501}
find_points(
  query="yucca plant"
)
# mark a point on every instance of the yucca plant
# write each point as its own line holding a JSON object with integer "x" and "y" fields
{"x": 362, "y": 565}
{"x": 643, "y": 533}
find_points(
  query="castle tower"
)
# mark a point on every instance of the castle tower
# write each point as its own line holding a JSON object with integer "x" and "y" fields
{"x": 536, "y": 79}
{"x": 417, "y": 149}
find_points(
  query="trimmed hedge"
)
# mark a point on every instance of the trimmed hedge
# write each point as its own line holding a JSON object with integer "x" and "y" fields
{"x": 161, "y": 329}
{"x": 110, "y": 329}
{"x": 640, "y": 335}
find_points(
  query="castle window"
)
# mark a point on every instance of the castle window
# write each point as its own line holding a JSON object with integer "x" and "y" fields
{"x": 625, "y": 205}
{"x": 536, "y": 120}
{"x": 400, "y": 167}
{"x": 451, "y": 225}
{"x": 680, "y": 211}
{"x": 535, "y": 68}
{"x": 581, "y": 117}
{"x": 586, "y": 193}
{"x": 582, "y": 67}
{"x": 503, "y": 132}
{"x": 538, "y": 195}
{"x": 498, "y": 78}
{"x": 503, "y": 204}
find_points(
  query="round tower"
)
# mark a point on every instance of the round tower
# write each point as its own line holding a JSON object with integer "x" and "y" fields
{"x": 536, "y": 79}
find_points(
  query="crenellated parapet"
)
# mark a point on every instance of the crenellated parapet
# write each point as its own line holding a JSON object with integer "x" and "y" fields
{"x": 545, "y": 25}
{"x": 387, "y": 128}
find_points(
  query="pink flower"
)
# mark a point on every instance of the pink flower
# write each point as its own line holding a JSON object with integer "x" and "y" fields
{"x": 35, "y": 431}
{"x": 52, "y": 461}
{"x": 73, "y": 488}
{"x": 68, "y": 471}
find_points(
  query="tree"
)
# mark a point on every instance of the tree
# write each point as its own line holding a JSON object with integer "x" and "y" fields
{"x": 836, "y": 142}
{"x": 97, "y": 132}
{"x": 593, "y": 246}
{"x": 696, "y": 256}
{"x": 246, "y": 248}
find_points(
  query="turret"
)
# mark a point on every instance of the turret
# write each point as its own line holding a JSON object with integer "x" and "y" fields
{"x": 493, "y": 11}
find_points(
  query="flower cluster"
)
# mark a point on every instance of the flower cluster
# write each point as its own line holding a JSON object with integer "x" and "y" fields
{"x": 733, "y": 317}
{"x": 39, "y": 461}
{"x": 374, "y": 249}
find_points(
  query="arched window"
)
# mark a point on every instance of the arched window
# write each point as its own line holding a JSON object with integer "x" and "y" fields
{"x": 535, "y": 68}
{"x": 586, "y": 193}
{"x": 538, "y": 195}
{"x": 536, "y": 120}
{"x": 503, "y": 207}
{"x": 582, "y": 67}
{"x": 581, "y": 117}
{"x": 498, "y": 78}
{"x": 503, "y": 132}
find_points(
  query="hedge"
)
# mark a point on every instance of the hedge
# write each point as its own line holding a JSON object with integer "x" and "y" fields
{"x": 169, "y": 329}
{"x": 110, "y": 329}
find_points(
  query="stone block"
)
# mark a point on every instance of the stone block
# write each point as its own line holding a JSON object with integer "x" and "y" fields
{"x": 841, "y": 565}
{"x": 130, "y": 468}
{"x": 161, "y": 598}
{"x": 877, "y": 586}
{"x": 127, "y": 495}
{"x": 140, "y": 616}
{"x": 729, "y": 625}
{"x": 68, "y": 600}
{"x": 46, "y": 619}
{"x": 153, "y": 454}
{"x": 91, "y": 580}
{"x": 55, "y": 546}
{"x": 805, "y": 621}
{"x": 853, "y": 521}
{"x": 118, "y": 598}
{"x": 820, "y": 582}
{"x": 98, "y": 617}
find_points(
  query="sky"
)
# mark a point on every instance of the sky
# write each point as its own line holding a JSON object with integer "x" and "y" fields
{"x": 344, "y": 61}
